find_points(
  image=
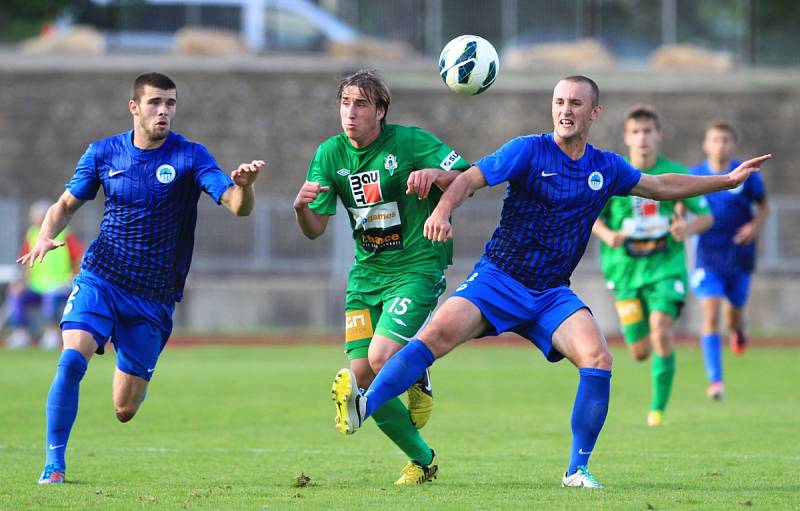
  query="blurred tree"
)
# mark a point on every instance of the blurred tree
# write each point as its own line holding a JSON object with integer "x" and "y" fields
{"x": 27, "y": 18}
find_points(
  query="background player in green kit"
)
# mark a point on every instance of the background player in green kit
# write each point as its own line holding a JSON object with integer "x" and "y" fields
{"x": 643, "y": 259}
{"x": 384, "y": 174}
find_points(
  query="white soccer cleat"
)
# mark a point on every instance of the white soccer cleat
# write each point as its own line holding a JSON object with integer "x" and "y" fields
{"x": 350, "y": 404}
{"x": 582, "y": 478}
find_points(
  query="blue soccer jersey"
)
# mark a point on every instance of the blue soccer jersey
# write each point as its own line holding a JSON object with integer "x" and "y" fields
{"x": 716, "y": 250}
{"x": 550, "y": 206}
{"x": 147, "y": 233}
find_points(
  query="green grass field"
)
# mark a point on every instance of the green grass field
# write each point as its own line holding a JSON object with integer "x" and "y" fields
{"x": 230, "y": 428}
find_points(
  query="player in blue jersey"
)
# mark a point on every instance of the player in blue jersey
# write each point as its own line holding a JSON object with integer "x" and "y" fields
{"x": 557, "y": 186}
{"x": 134, "y": 272}
{"x": 726, "y": 253}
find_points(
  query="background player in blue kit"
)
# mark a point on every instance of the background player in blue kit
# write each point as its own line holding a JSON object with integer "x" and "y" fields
{"x": 134, "y": 272}
{"x": 557, "y": 186}
{"x": 726, "y": 253}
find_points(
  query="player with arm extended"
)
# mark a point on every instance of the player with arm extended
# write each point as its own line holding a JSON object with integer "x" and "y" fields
{"x": 557, "y": 186}
{"x": 726, "y": 253}
{"x": 643, "y": 259}
{"x": 134, "y": 272}
{"x": 389, "y": 177}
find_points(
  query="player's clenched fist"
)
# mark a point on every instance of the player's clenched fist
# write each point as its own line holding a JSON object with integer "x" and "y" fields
{"x": 247, "y": 173}
{"x": 308, "y": 193}
{"x": 438, "y": 228}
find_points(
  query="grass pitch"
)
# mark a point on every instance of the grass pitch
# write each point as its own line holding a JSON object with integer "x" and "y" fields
{"x": 233, "y": 428}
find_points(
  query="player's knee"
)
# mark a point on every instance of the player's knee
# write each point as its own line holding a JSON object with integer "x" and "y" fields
{"x": 439, "y": 340}
{"x": 125, "y": 413}
{"x": 641, "y": 354}
{"x": 376, "y": 362}
{"x": 604, "y": 360}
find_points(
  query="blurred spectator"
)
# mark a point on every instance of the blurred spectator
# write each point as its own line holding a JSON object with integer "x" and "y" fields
{"x": 45, "y": 286}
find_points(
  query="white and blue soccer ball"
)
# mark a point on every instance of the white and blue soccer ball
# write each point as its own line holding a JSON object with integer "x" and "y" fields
{"x": 468, "y": 65}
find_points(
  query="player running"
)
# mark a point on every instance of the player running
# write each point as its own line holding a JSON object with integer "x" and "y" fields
{"x": 134, "y": 272}
{"x": 557, "y": 186}
{"x": 643, "y": 259}
{"x": 726, "y": 253}
{"x": 384, "y": 174}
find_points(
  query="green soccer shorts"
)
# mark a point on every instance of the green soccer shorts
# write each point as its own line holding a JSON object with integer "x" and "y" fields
{"x": 396, "y": 307}
{"x": 635, "y": 305}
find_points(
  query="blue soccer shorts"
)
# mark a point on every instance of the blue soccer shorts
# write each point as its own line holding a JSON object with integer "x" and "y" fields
{"x": 510, "y": 306}
{"x": 710, "y": 284}
{"x": 139, "y": 328}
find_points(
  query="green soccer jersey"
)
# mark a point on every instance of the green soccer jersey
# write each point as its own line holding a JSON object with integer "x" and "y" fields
{"x": 371, "y": 182}
{"x": 649, "y": 254}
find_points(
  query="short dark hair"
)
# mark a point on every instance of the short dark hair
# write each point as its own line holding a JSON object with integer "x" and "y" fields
{"x": 371, "y": 85}
{"x": 643, "y": 112}
{"x": 723, "y": 126}
{"x": 591, "y": 83}
{"x": 157, "y": 80}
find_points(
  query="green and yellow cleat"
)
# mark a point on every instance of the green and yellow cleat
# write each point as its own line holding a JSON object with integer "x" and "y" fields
{"x": 416, "y": 473}
{"x": 350, "y": 404}
{"x": 655, "y": 418}
{"x": 420, "y": 401}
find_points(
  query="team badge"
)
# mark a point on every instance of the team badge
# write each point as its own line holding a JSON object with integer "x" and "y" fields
{"x": 165, "y": 174}
{"x": 366, "y": 187}
{"x": 595, "y": 180}
{"x": 390, "y": 163}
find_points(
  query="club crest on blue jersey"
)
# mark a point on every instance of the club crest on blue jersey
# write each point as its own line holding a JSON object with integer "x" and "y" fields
{"x": 165, "y": 174}
{"x": 595, "y": 180}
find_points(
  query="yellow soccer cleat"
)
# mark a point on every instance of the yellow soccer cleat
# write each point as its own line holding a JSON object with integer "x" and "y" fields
{"x": 655, "y": 418}
{"x": 350, "y": 404}
{"x": 420, "y": 401}
{"x": 416, "y": 473}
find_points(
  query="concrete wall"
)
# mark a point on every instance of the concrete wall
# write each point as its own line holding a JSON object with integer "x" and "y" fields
{"x": 280, "y": 109}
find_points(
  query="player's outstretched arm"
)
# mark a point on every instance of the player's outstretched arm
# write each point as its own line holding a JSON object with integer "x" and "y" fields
{"x": 312, "y": 224}
{"x": 56, "y": 219}
{"x": 241, "y": 198}
{"x": 681, "y": 186}
{"x": 437, "y": 226}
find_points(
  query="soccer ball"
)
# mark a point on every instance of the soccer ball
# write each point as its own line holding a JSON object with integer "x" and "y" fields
{"x": 468, "y": 65}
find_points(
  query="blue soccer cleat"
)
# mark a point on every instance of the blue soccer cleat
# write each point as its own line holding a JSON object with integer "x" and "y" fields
{"x": 52, "y": 474}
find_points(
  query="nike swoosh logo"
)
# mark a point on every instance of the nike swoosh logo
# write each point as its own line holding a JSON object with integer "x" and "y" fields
{"x": 112, "y": 173}
{"x": 581, "y": 451}
{"x": 428, "y": 386}
{"x": 53, "y": 447}
{"x": 545, "y": 174}
{"x": 151, "y": 370}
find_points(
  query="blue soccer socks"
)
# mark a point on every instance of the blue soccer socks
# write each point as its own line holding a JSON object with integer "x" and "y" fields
{"x": 62, "y": 404}
{"x": 588, "y": 414}
{"x": 398, "y": 374}
{"x": 712, "y": 356}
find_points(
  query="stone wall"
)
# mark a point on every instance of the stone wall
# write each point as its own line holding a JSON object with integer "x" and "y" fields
{"x": 280, "y": 109}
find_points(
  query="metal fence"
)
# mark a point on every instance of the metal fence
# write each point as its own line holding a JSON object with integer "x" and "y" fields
{"x": 269, "y": 241}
